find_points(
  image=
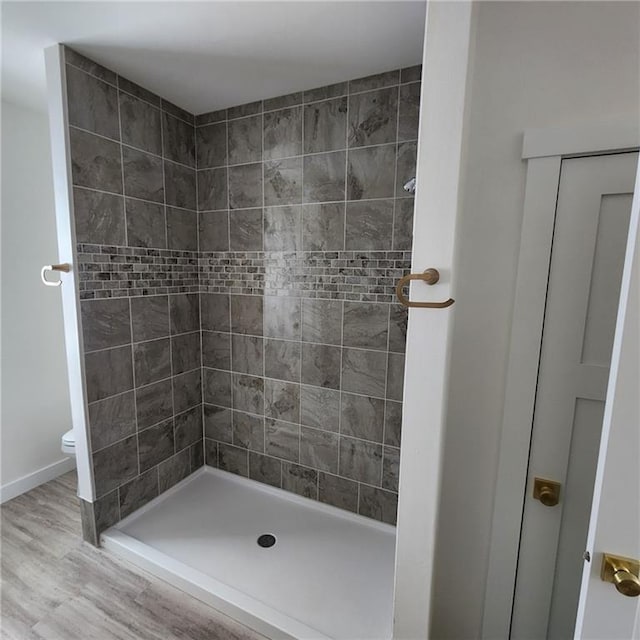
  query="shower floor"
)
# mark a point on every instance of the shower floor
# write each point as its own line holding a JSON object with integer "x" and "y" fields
{"x": 329, "y": 574}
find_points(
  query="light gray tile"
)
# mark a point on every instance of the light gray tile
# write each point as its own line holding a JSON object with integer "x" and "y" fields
{"x": 184, "y": 312}
{"x": 283, "y": 181}
{"x": 364, "y": 372}
{"x": 150, "y": 317}
{"x": 403, "y": 224}
{"x": 92, "y": 104}
{"x": 283, "y": 133}
{"x": 212, "y": 189}
{"x": 154, "y": 403}
{"x": 282, "y": 229}
{"x": 321, "y": 365}
{"x": 282, "y": 317}
{"x": 248, "y": 393}
{"x": 365, "y": 325}
{"x": 395, "y": 376}
{"x": 233, "y": 459}
{"x": 115, "y": 465}
{"x": 247, "y": 354}
{"x": 390, "y": 468}
{"x": 245, "y": 230}
{"x": 217, "y": 387}
{"x": 142, "y": 175}
{"x": 373, "y": 117}
{"x": 265, "y": 469}
{"x": 369, "y": 225}
{"x": 409, "y": 116}
{"x": 188, "y": 427}
{"x": 324, "y": 177}
{"x": 282, "y": 360}
{"x": 405, "y": 167}
{"x": 152, "y": 361}
{"x": 187, "y": 390}
{"x": 362, "y": 417}
{"x": 141, "y": 125}
{"x": 300, "y": 480}
{"x": 214, "y": 231}
{"x": 137, "y": 492}
{"x": 95, "y": 162}
{"x": 360, "y": 460}
{"x": 392, "y": 423}
{"x": 146, "y": 224}
{"x": 217, "y": 423}
{"x": 282, "y": 439}
{"x": 216, "y": 350}
{"x": 180, "y": 184}
{"x": 248, "y": 431}
{"x": 323, "y": 227}
{"x": 378, "y": 504}
{"x": 112, "y": 419}
{"x": 245, "y": 186}
{"x": 338, "y": 492}
{"x": 108, "y": 372}
{"x": 245, "y": 140}
{"x": 325, "y": 125}
{"x": 282, "y": 400}
{"x": 211, "y": 145}
{"x": 371, "y": 172}
{"x": 215, "y": 311}
{"x": 105, "y": 323}
{"x": 320, "y": 408}
{"x": 186, "y": 352}
{"x": 182, "y": 229}
{"x": 246, "y": 314}
{"x": 99, "y": 217}
{"x": 319, "y": 449}
{"x": 322, "y": 321}
{"x": 179, "y": 140}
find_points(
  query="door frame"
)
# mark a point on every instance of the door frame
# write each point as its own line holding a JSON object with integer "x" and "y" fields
{"x": 543, "y": 150}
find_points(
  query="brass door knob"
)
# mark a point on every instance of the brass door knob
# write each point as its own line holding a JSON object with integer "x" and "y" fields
{"x": 547, "y": 491}
{"x": 623, "y": 573}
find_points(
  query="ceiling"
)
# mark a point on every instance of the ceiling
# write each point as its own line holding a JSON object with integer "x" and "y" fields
{"x": 210, "y": 55}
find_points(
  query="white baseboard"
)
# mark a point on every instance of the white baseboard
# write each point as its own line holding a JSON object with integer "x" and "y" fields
{"x": 32, "y": 480}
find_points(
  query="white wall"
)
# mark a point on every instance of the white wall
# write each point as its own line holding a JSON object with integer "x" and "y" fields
{"x": 534, "y": 65}
{"x": 35, "y": 394}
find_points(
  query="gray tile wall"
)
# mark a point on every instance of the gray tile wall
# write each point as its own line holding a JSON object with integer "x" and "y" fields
{"x": 133, "y": 172}
{"x": 237, "y": 277}
{"x": 304, "y": 231}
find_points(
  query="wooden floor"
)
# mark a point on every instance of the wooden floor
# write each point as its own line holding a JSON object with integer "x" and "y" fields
{"x": 57, "y": 587}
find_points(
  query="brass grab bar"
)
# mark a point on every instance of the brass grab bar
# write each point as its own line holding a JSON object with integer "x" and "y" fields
{"x": 430, "y": 276}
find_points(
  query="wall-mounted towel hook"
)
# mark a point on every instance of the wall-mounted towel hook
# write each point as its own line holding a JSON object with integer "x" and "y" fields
{"x": 430, "y": 276}
{"x": 65, "y": 267}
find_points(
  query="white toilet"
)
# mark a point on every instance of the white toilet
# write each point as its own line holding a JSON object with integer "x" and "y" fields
{"x": 69, "y": 443}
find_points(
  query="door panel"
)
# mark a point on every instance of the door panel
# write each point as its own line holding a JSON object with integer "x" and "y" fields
{"x": 592, "y": 221}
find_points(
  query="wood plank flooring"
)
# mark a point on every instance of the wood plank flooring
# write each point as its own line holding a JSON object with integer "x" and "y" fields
{"x": 57, "y": 587}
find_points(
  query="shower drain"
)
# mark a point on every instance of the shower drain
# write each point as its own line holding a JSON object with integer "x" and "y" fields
{"x": 266, "y": 540}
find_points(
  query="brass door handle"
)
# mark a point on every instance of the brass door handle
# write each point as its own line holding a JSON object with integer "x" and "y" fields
{"x": 430, "y": 276}
{"x": 547, "y": 491}
{"x": 623, "y": 573}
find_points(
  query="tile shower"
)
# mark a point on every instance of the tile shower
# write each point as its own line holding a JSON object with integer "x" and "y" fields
{"x": 236, "y": 277}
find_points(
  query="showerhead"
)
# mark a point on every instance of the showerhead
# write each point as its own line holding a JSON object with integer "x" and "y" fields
{"x": 410, "y": 186}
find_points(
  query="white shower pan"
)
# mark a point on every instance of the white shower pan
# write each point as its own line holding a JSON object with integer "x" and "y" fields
{"x": 329, "y": 574}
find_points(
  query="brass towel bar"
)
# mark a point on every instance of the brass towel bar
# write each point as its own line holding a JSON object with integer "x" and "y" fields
{"x": 430, "y": 276}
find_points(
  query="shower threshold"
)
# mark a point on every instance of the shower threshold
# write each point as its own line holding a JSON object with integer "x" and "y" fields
{"x": 318, "y": 571}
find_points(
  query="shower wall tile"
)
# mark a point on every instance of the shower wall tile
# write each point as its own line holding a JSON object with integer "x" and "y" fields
{"x": 76, "y": 59}
{"x": 411, "y": 74}
{"x": 257, "y": 250}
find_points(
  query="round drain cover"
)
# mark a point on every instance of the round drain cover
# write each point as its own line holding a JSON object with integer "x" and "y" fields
{"x": 267, "y": 540}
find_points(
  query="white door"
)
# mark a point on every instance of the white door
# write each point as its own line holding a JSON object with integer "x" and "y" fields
{"x": 615, "y": 518}
{"x": 590, "y": 237}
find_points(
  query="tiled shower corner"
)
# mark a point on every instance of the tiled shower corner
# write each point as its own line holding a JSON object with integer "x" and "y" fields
{"x": 237, "y": 272}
